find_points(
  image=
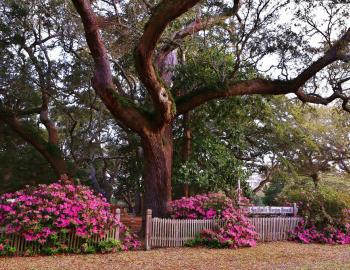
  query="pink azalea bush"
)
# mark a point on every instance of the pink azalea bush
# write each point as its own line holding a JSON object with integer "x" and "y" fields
{"x": 308, "y": 233}
{"x": 203, "y": 206}
{"x": 325, "y": 212}
{"x": 40, "y": 213}
{"x": 129, "y": 240}
{"x": 236, "y": 230}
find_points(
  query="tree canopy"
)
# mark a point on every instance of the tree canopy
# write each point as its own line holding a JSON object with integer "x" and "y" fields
{"x": 106, "y": 90}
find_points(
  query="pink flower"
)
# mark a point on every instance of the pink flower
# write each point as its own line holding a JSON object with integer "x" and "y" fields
{"x": 210, "y": 214}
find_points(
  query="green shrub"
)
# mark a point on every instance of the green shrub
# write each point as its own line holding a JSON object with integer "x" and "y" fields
{"x": 88, "y": 249}
{"x": 50, "y": 250}
{"x": 110, "y": 245}
{"x": 5, "y": 248}
{"x": 202, "y": 241}
{"x": 322, "y": 206}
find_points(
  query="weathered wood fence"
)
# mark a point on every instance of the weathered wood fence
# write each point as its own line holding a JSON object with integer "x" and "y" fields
{"x": 175, "y": 232}
{"x": 71, "y": 240}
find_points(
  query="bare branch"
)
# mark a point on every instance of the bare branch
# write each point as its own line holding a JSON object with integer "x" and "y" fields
{"x": 196, "y": 26}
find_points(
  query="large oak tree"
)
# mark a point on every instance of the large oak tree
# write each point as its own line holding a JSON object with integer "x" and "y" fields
{"x": 154, "y": 126}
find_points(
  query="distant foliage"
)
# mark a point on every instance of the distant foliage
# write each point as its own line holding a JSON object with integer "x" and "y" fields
{"x": 321, "y": 206}
{"x": 218, "y": 128}
{"x": 207, "y": 69}
{"x": 211, "y": 160}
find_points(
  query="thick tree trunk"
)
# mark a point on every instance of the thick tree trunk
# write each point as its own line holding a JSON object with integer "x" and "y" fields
{"x": 158, "y": 158}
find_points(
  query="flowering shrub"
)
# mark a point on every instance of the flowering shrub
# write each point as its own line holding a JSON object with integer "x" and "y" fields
{"x": 204, "y": 206}
{"x": 37, "y": 213}
{"x": 307, "y": 233}
{"x": 319, "y": 207}
{"x": 236, "y": 231}
{"x": 325, "y": 213}
{"x": 129, "y": 239}
{"x": 40, "y": 213}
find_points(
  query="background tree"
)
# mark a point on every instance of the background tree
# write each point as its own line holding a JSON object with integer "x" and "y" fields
{"x": 313, "y": 150}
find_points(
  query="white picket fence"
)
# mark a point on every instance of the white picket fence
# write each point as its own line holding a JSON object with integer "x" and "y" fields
{"x": 274, "y": 228}
{"x": 70, "y": 239}
{"x": 176, "y": 232}
{"x": 162, "y": 232}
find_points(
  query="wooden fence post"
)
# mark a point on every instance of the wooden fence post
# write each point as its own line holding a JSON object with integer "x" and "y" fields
{"x": 295, "y": 209}
{"x": 117, "y": 215}
{"x": 148, "y": 229}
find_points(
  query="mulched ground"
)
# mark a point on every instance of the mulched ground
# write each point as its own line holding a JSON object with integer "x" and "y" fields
{"x": 278, "y": 255}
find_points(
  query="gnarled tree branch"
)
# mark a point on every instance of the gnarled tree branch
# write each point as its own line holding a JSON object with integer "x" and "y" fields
{"x": 269, "y": 87}
{"x": 164, "y": 13}
{"x": 121, "y": 108}
{"x": 199, "y": 24}
{"x": 268, "y": 178}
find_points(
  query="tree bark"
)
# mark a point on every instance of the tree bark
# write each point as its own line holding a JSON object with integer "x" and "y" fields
{"x": 158, "y": 159}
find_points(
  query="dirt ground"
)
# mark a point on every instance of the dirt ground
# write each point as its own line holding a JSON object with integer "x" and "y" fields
{"x": 278, "y": 255}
